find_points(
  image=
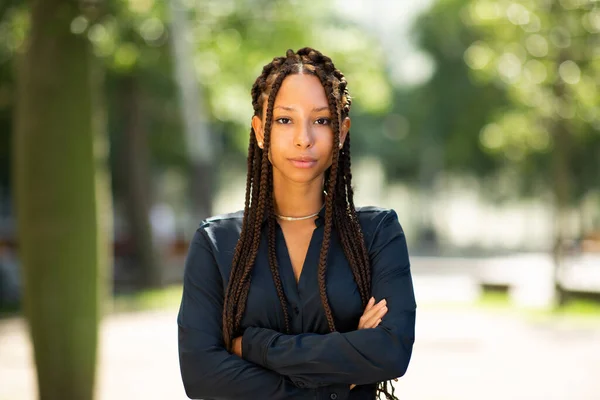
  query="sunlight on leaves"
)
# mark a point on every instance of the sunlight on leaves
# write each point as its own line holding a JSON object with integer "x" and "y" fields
{"x": 569, "y": 72}
{"x": 509, "y": 66}
{"x": 537, "y": 45}
{"x": 517, "y": 14}
{"x": 535, "y": 72}
{"x": 478, "y": 55}
{"x": 79, "y": 25}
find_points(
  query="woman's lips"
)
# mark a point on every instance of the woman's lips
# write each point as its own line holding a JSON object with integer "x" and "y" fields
{"x": 303, "y": 162}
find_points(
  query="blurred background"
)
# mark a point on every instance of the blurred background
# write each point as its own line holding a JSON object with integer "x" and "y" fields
{"x": 478, "y": 121}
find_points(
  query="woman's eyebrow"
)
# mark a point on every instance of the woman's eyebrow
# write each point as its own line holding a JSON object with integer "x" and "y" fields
{"x": 316, "y": 109}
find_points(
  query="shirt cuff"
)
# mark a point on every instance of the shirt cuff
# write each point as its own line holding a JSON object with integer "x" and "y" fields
{"x": 255, "y": 343}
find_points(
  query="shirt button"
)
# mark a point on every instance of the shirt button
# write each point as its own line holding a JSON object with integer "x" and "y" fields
{"x": 333, "y": 396}
{"x": 296, "y": 310}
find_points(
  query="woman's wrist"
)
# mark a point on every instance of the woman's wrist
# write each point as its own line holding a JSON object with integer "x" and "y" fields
{"x": 237, "y": 346}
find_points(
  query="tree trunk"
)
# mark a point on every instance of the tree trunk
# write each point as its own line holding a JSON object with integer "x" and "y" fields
{"x": 431, "y": 164}
{"x": 562, "y": 195}
{"x": 135, "y": 179}
{"x": 561, "y": 178}
{"x": 62, "y": 243}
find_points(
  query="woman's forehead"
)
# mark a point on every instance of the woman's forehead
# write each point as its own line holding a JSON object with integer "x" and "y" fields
{"x": 301, "y": 91}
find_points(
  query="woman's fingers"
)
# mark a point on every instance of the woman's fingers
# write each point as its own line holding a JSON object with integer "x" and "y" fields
{"x": 371, "y": 315}
{"x": 370, "y": 304}
{"x": 374, "y": 319}
{"x": 368, "y": 309}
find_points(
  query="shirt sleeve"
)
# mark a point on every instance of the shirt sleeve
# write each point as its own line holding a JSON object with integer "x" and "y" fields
{"x": 362, "y": 356}
{"x": 208, "y": 370}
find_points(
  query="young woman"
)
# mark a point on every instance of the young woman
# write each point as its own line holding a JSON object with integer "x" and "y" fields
{"x": 301, "y": 295}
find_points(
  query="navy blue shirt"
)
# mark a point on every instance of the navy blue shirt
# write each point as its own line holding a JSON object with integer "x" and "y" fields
{"x": 311, "y": 362}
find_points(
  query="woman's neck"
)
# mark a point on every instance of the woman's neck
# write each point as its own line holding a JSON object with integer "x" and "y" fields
{"x": 297, "y": 200}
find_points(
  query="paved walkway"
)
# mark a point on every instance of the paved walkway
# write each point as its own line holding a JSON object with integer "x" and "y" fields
{"x": 460, "y": 353}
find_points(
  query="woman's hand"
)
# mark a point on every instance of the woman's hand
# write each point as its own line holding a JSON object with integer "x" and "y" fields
{"x": 237, "y": 346}
{"x": 372, "y": 316}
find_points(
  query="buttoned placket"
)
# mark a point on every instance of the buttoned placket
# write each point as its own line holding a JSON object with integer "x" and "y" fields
{"x": 294, "y": 290}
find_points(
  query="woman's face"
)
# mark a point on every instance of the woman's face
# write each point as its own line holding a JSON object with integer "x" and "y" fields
{"x": 301, "y": 146}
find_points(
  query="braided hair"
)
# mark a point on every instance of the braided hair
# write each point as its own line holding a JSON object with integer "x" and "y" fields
{"x": 339, "y": 202}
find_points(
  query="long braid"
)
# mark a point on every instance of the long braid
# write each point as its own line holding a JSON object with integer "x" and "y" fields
{"x": 228, "y": 304}
{"x": 350, "y": 230}
{"x": 321, "y": 271}
{"x": 273, "y": 259}
{"x": 262, "y": 202}
{"x": 246, "y": 237}
{"x": 343, "y": 213}
{"x": 255, "y": 157}
{"x": 340, "y": 211}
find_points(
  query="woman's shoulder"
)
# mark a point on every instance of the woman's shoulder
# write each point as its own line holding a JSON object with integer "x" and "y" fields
{"x": 377, "y": 221}
{"x": 223, "y": 226}
{"x": 370, "y": 216}
{"x": 226, "y": 218}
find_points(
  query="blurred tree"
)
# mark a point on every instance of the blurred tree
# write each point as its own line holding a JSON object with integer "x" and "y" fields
{"x": 134, "y": 67}
{"x": 61, "y": 202}
{"x": 456, "y": 107}
{"x": 514, "y": 94}
{"x": 513, "y": 99}
{"x": 545, "y": 55}
{"x": 434, "y": 127}
{"x": 134, "y": 179}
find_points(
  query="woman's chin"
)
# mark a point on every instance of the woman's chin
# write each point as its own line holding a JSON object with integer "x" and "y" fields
{"x": 302, "y": 176}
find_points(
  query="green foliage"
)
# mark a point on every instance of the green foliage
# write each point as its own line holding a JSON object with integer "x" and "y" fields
{"x": 509, "y": 77}
{"x": 544, "y": 54}
{"x": 231, "y": 41}
{"x": 437, "y": 124}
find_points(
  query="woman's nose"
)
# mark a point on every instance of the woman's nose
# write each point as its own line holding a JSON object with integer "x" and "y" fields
{"x": 303, "y": 138}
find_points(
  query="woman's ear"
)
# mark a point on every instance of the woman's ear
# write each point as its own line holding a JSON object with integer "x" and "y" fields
{"x": 345, "y": 128}
{"x": 258, "y": 130}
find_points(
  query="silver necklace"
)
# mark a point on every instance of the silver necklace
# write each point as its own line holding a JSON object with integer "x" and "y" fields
{"x": 298, "y": 218}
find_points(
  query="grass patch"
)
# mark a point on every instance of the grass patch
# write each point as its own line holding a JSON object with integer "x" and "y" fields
{"x": 581, "y": 307}
{"x": 576, "y": 310}
{"x": 10, "y": 310}
{"x": 151, "y": 299}
{"x": 167, "y": 298}
{"x": 494, "y": 299}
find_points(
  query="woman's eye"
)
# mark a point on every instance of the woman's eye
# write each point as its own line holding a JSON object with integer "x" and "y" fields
{"x": 323, "y": 121}
{"x": 283, "y": 121}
